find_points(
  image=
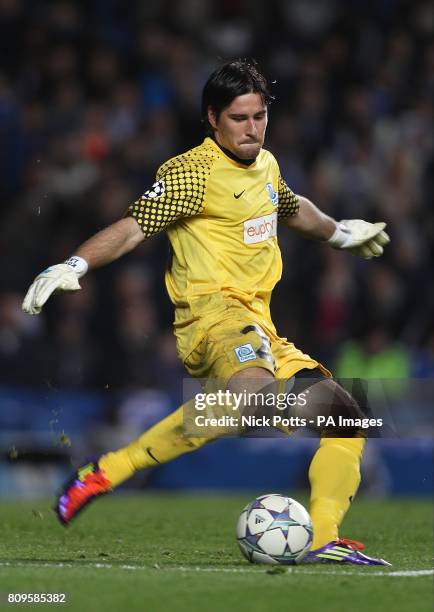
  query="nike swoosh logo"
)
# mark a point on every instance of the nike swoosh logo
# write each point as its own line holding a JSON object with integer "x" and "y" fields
{"x": 238, "y": 195}
{"x": 148, "y": 450}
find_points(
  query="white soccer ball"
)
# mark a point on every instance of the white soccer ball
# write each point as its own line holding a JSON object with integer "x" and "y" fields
{"x": 274, "y": 529}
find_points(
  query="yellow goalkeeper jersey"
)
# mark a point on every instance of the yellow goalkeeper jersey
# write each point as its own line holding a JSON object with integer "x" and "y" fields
{"x": 221, "y": 218}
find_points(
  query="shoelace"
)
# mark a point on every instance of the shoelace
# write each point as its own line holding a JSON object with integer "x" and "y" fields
{"x": 353, "y": 544}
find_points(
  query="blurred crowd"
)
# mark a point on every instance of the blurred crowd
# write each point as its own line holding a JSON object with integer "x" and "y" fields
{"x": 94, "y": 96}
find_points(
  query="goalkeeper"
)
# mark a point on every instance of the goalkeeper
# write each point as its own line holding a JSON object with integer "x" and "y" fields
{"x": 220, "y": 204}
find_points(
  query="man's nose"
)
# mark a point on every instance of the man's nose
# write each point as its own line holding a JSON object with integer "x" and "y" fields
{"x": 252, "y": 130}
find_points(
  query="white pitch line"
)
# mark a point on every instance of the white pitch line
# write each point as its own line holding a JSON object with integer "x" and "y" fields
{"x": 240, "y": 570}
{"x": 302, "y": 570}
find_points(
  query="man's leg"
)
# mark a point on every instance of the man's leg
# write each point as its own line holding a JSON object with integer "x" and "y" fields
{"x": 163, "y": 442}
{"x": 168, "y": 439}
{"x": 334, "y": 472}
{"x": 334, "y": 475}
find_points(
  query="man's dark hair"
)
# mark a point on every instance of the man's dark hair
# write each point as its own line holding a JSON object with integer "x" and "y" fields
{"x": 233, "y": 79}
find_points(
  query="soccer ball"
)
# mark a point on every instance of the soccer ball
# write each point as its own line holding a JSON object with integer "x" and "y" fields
{"x": 274, "y": 529}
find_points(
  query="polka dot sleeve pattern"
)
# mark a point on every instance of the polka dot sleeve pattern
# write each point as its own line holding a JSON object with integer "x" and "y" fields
{"x": 289, "y": 204}
{"x": 178, "y": 192}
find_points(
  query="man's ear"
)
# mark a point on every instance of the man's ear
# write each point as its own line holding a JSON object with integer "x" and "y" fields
{"x": 212, "y": 118}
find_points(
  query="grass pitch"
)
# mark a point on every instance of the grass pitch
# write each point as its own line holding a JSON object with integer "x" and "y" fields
{"x": 178, "y": 552}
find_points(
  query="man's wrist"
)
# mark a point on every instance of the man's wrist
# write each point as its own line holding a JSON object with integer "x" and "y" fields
{"x": 78, "y": 265}
{"x": 340, "y": 236}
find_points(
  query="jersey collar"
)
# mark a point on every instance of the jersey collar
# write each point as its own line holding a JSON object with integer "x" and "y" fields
{"x": 246, "y": 163}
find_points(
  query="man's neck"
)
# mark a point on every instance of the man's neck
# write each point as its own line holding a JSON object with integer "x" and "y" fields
{"x": 243, "y": 162}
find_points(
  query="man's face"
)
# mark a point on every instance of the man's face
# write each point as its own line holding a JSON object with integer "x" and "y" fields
{"x": 241, "y": 126}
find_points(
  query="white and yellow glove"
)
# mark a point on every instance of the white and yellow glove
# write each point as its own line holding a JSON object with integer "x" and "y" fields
{"x": 360, "y": 238}
{"x": 61, "y": 277}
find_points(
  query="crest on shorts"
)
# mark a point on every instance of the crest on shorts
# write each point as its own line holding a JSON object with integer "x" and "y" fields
{"x": 245, "y": 352}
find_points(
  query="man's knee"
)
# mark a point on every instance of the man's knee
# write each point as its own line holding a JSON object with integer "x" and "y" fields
{"x": 333, "y": 410}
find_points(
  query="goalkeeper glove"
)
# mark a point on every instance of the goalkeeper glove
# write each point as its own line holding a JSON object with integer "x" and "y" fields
{"x": 62, "y": 277}
{"x": 360, "y": 238}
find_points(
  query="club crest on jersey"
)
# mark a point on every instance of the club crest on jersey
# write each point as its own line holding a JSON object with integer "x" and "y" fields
{"x": 245, "y": 352}
{"x": 156, "y": 191}
{"x": 273, "y": 195}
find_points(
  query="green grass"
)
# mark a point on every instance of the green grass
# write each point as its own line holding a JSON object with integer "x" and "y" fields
{"x": 182, "y": 554}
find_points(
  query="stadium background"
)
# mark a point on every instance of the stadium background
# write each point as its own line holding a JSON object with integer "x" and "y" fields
{"x": 93, "y": 97}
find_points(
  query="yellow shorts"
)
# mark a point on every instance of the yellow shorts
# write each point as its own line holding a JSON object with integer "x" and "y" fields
{"x": 235, "y": 338}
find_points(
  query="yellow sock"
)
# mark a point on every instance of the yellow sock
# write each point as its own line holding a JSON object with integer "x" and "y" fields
{"x": 161, "y": 443}
{"x": 334, "y": 476}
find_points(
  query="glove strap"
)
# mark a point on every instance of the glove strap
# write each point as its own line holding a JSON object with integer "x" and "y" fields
{"x": 78, "y": 265}
{"x": 340, "y": 237}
